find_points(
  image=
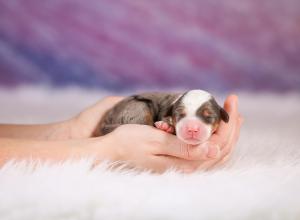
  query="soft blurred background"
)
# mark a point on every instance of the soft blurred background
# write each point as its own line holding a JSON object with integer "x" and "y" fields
{"x": 123, "y": 45}
{"x": 59, "y": 56}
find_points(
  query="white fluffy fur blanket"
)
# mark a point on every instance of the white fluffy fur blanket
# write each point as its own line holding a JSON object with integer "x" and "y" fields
{"x": 262, "y": 180}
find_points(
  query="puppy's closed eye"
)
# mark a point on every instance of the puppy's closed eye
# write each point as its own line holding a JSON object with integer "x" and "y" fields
{"x": 207, "y": 113}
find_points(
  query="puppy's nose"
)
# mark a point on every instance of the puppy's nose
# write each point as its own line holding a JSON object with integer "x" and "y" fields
{"x": 192, "y": 129}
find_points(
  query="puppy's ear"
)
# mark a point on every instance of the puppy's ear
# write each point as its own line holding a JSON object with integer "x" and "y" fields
{"x": 144, "y": 97}
{"x": 169, "y": 110}
{"x": 149, "y": 99}
{"x": 224, "y": 115}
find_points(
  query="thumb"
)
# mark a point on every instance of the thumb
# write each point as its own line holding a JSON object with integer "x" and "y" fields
{"x": 177, "y": 148}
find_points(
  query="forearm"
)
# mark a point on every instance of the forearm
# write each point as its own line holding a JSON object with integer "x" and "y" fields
{"x": 54, "y": 151}
{"x": 53, "y": 131}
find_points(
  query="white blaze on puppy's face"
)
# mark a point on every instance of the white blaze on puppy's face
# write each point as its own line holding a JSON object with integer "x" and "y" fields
{"x": 190, "y": 128}
{"x": 193, "y": 99}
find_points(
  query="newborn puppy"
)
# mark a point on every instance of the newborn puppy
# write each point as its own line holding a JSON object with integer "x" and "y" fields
{"x": 193, "y": 116}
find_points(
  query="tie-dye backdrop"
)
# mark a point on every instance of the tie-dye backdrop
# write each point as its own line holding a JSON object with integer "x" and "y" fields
{"x": 128, "y": 44}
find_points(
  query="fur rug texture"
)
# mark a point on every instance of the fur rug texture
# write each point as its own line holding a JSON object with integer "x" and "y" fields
{"x": 261, "y": 181}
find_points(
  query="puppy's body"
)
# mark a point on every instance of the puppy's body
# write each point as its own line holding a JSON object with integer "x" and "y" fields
{"x": 143, "y": 109}
{"x": 193, "y": 115}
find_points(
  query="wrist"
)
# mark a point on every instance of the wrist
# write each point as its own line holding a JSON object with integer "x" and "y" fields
{"x": 60, "y": 131}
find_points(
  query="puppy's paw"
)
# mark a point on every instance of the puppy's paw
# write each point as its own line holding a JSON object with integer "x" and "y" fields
{"x": 164, "y": 126}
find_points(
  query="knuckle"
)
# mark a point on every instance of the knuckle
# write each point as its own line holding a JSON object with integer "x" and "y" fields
{"x": 227, "y": 151}
{"x": 225, "y": 159}
{"x": 223, "y": 144}
{"x": 202, "y": 153}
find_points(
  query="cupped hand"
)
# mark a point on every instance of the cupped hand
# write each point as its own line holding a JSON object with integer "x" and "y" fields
{"x": 84, "y": 125}
{"x": 221, "y": 144}
{"x": 145, "y": 147}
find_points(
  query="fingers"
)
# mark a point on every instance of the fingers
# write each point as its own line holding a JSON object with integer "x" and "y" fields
{"x": 225, "y": 129}
{"x": 95, "y": 111}
{"x": 228, "y": 149}
{"x": 222, "y": 135}
{"x": 207, "y": 151}
{"x": 227, "y": 134}
{"x": 87, "y": 121}
{"x": 113, "y": 99}
{"x": 108, "y": 102}
{"x": 234, "y": 137}
{"x": 190, "y": 158}
{"x": 162, "y": 163}
{"x": 105, "y": 104}
{"x": 176, "y": 148}
{"x": 213, "y": 151}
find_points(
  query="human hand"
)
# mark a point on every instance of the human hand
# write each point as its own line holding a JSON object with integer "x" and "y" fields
{"x": 218, "y": 149}
{"x": 81, "y": 126}
{"x": 222, "y": 142}
{"x": 145, "y": 147}
{"x": 84, "y": 124}
{"x": 148, "y": 148}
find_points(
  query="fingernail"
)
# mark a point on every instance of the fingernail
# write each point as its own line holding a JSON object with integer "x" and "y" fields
{"x": 204, "y": 151}
{"x": 213, "y": 152}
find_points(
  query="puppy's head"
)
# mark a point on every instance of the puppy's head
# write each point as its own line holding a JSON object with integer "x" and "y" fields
{"x": 196, "y": 115}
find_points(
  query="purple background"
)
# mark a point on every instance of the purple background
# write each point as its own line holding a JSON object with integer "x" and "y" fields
{"x": 125, "y": 44}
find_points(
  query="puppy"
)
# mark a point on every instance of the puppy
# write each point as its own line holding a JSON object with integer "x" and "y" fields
{"x": 193, "y": 116}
